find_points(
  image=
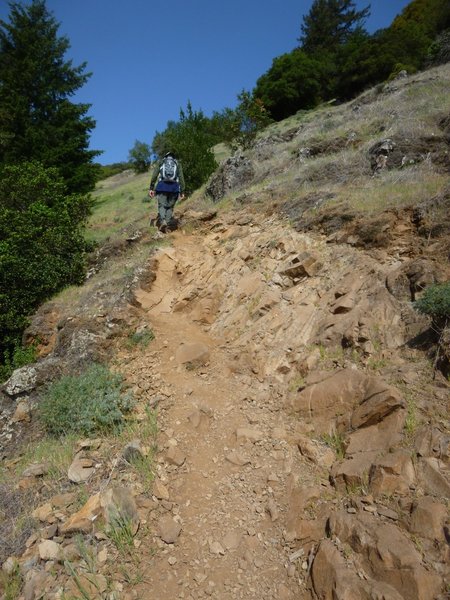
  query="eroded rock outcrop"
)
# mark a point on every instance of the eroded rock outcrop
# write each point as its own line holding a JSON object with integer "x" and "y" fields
{"x": 388, "y": 554}
{"x": 233, "y": 174}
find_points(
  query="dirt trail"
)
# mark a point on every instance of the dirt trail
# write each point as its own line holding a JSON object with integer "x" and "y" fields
{"x": 267, "y": 427}
{"x": 232, "y": 515}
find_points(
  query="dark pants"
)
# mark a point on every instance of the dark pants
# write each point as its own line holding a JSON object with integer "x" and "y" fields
{"x": 166, "y": 203}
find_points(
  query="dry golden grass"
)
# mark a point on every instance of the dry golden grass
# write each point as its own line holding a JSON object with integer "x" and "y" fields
{"x": 393, "y": 189}
{"x": 409, "y": 110}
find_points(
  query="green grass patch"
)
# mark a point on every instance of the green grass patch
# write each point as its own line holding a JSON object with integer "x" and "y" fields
{"x": 336, "y": 441}
{"x": 116, "y": 206}
{"x": 412, "y": 420}
{"x": 146, "y": 431}
{"x": 120, "y": 532}
{"x": 11, "y": 583}
{"x": 141, "y": 338}
{"x": 393, "y": 189}
{"x": 89, "y": 403}
{"x": 297, "y": 383}
{"x": 56, "y": 453}
{"x": 221, "y": 152}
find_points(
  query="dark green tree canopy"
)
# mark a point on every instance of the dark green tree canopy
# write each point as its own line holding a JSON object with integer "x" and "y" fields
{"x": 432, "y": 16}
{"x": 329, "y": 24}
{"x": 140, "y": 156}
{"x": 39, "y": 121}
{"x": 292, "y": 83}
{"x": 42, "y": 246}
{"x": 46, "y": 169}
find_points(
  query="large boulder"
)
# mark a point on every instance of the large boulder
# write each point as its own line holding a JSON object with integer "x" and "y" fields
{"x": 22, "y": 381}
{"x": 349, "y": 398}
{"x": 427, "y": 518}
{"x": 332, "y": 579}
{"x": 392, "y": 474}
{"x": 233, "y": 174}
{"x": 388, "y": 554}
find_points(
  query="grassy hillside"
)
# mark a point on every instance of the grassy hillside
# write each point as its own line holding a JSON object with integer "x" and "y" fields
{"x": 119, "y": 201}
{"x": 320, "y": 159}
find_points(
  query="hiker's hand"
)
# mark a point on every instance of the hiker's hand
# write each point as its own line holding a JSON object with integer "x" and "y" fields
{"x": 151, "y": 193}
{"x": 181, "y": 197}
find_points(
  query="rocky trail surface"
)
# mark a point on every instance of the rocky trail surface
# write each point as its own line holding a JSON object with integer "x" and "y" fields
{"x": 302, "y": 447}
{"x": 243, "y": 318}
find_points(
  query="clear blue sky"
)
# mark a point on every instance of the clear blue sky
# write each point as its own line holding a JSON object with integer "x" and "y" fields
{"x": 149, "y": 58}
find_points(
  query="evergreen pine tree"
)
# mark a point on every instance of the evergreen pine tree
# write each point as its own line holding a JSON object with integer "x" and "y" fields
{"x": 329, "y": 24}
{"x": 38, "y": 120}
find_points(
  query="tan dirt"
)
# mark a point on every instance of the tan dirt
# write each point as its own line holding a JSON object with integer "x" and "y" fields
{"x": 229, "y": 545}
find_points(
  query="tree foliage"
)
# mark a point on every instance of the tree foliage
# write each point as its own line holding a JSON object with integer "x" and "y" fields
{"x": 42, "y": 247}
{"x": 439, "y": 51}
{"x": 104, "y": 171}
{"x": 250, "y": 116}
{"x": 330, "y": 23}
{"x": 291, "y": 83}
{"x": 140, "y": 157}
{"x": 432, "y": 16}
{"x": 338, "y": 58}
{"x": 38, "y": 120}
{"x": 46, "y": 169}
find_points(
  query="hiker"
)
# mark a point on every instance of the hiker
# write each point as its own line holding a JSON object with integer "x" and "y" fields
{"x": 167, "y": 183}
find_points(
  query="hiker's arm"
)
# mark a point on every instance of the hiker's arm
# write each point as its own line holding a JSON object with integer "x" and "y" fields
{"x": 153, "y": 179}
{"x": 181, "y": 179}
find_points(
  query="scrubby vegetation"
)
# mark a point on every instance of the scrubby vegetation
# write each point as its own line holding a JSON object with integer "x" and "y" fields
{"x": 105, "y": 171}
{"x": 46, "y": 169}
{"x": 435, "y": 302}
{"x": 89, "y": 403}
{"x": 337, "y": 58}
{"x": 42, "y": 248}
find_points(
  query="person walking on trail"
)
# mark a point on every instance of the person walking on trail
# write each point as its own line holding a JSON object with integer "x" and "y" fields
{"x": 167, "y": 183}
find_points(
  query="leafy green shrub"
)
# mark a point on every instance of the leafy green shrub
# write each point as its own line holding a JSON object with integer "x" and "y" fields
{"x": 20, "y": 357}
{"x": 435, "y": 302}
{"x": 85, "y": 404}
{"x": 105, "y": 171}
{"x": 42, "y": 247}
{"x": 140, "y": 157}
{"x": 140, "y": 338}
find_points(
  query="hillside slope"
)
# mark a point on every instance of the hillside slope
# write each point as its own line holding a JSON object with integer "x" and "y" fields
{"x": 302, "y": 445}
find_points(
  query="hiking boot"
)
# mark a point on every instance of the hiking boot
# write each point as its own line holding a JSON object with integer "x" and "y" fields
{"x": 172, "y": 224}
{"x": 163, "y": 227}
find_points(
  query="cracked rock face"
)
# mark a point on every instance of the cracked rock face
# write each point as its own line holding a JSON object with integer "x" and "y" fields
{"x": 22, "y": 381}
{"x": 235, "y": 172}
